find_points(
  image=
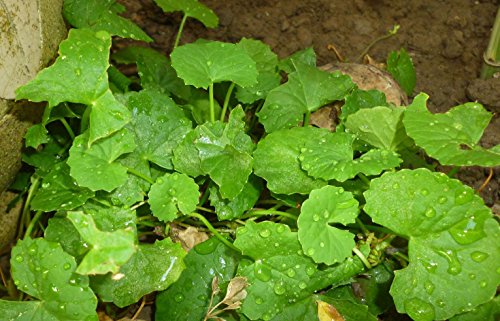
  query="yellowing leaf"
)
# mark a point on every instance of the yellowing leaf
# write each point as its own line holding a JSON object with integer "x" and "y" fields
{"x": 327, "y": 312}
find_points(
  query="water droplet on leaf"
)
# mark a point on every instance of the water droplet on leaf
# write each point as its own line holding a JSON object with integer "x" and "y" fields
{"x": 418, "y": 309}
{"x": 265, "y": 233}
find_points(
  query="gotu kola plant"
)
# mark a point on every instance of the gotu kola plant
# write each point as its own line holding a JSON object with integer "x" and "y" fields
{"x": 299, "y": 216}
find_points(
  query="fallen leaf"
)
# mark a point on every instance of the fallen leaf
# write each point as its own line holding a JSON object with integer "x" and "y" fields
{"x": 189, "y": 237}
{"x": 327, "y": 312}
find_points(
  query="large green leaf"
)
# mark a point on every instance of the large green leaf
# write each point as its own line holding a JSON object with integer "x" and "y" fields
{"x": 59, "y": 191}
{"x": 282, "y": 278}
{"x": 453, "y": 267}
{"x": 191, "y": 8}
{"x": 451, "y": 138}
{"x": 79, "y": 76}
{"x": 488, "y": 311}
{"x": 154, "y": 267}
{"x": 307, "y": 89}
{"x": 100, "y": 159}
{"x": 331, "y": 157}
{"x": 171, "y": 194}
{"x": 319, "y": 240}
{"x": 102, "y": 15}
{"x": 268, "y": 78}
{"x": 107, "y": 250}
{"x": 159, "y": 126}
{"x": 189, "y": 297}
{"x": 44, "y": 271}
{"x": 276, "y": 159}
{"x": 381, "y": 127}
{"x": 207, "y": 62}
{"x": 305, "y": 56}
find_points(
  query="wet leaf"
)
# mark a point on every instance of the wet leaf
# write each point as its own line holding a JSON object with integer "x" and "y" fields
{"x": 322, "y": 242}
{"x": 400, "y": 66}
{"x": 107, "y": 250}
{"x": 172, "y": 194}
{"x": 203, "y": 63}
{"x": 452, "y": 138}
{"x": 102, "y": 15}
{"x": 361, "y": 99}
{"x": 450, "y": 231}
{"x": 306, "y": 90}
{"x": 44, "y": 271}
{"x": 191, "y": 8}
{"x": 306, "y": 56}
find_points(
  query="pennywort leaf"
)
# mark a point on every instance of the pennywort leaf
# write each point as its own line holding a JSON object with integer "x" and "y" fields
{"x": 102, "y": 15}
{"x": 203, "y": 63}
{"x": 452, "y": 138}
{"x": 44, "y": 271}
{"x": 172, "y": 194}
{"x": 191, "y": 8}
{"x": 400, "y": 66}
{"x": 319, "y": 240}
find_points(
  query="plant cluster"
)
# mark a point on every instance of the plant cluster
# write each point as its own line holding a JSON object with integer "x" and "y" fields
{"x": 132, "y": 174}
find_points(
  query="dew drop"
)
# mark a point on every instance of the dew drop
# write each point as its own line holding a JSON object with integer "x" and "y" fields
{"x": 321, "y": 244}
{"x": 430, "y": 212}
{"x": 290, "y": 272}
{"x": 483, "y": 284}
{"x": 418, "y": 309}
{"x": 467, "y": 231}
{"x": 463, "y": 197}
{"x": 179, "y": 297}
{"x": 315, "y": 217}
{"x": 424, "y": 191}
{"x": 19, "y": 258}
{"x": 310, "y": 251}
{"x": 66, "y": 266}
{"x": 478, "y": 256}
{"x": 209, "y": 63}
{"x": 429, "y": 287}
{"x": 442, "y": 200}
{"x": 310, "y": 270}
{"x": 395, "y": 186}
{"x": 265, "y": 233}
{"x": 280, "y": 228}
{"x": 258, "y": 300}
{"x": 454, "y": 266}
{"x": 279, "y": 288}
{"x": 472, "y": 276}
{"x": 302, "y": 285}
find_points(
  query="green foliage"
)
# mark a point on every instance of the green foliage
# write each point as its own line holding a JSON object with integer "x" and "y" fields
{"x": 211, "y": 141}
{"x": 400, "y": 65}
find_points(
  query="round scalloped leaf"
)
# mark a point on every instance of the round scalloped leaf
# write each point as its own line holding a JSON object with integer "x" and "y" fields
{"x": 99, "y": 159}
{"x": 451, "y": 138}
{"x": 173, "y": 193}
{"x": 276, "y": 159}
{"x": 319, "y": 240}
{"x": 331, "y": 157}
{"x": 419, "y": 202}
{"x": 203, "y": 63}
{"x": 191, "y": 8}
{"x": 453, "y": 267}
{"x": 44, "y": 271}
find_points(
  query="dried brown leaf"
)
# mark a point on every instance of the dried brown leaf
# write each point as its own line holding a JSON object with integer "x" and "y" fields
{"x": 215, "y": 285}
{"x": 189, "y": 237}
{"x": 327, "y": 312}
{"x": 235, "y": 291}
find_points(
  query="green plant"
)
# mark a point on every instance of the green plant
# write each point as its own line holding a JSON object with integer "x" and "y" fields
{"x": 298, "y": 214}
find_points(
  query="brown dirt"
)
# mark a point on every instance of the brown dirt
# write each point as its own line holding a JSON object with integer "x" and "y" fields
{"x": 445, "y": 38}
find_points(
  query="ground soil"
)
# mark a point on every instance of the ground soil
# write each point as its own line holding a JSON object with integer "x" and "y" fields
{"x": 445, "y": 38}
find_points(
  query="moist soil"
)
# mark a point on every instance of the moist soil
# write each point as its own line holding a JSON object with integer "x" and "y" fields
{"x": 445, "y": 38}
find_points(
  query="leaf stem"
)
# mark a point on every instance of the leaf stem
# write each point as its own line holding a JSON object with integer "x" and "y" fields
{"x": 363, "y": 178}
{"x": 140, "y": 175}
{"x": 226, "y": 101}
{"x": 32, "y": 223}
{"x": 389, "y": 34}
{"x": 204, "y": 209}
{"x": 179, "y": 32}
{"x": 268, "y": 212}
{"x": 362, "y": 226}
{"x": 214, "y": 231}
{"x": 212, "y": 106}
{"x": 362, "y": 258}
{"x": 68, "y": 128}
{"x": 26, "y": 208}
{"x": 307, "y": 118}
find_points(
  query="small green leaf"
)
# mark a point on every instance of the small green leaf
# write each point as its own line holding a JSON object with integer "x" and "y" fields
{"x": 191, "y": 8}
{"x": 189, "y": 297}
{"x": 101, "y": 15}
{"x": 306, "y": 56}
{"x": 453, "y": 266}
{"x": 451, "y": 138}
{"x": 59, "y": 191}
{"x": 400, "y": 66}
{"x": 245, "y": 200}
{"x": 331, "y": 157}
{"x": 159, "y": 126}
{"x": 186, "y": 157}
{"x": 361, "y": 99}
{"x": 108, "y": 250}
{"x": 204, "y": 63}
{"x": 60, "y": 230}
{"x": 306, "y": 90}
{"x": 100, "y": 160}
{"x": 44, "y": 271}
{"x": 154, "y": 267}
{"x": 381, "y": 127}
{"x": 171, "y": 194}
{"x": 36, "y": 135}
{"x": 319, "y": 240}
{"x": 276, "y": 159}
